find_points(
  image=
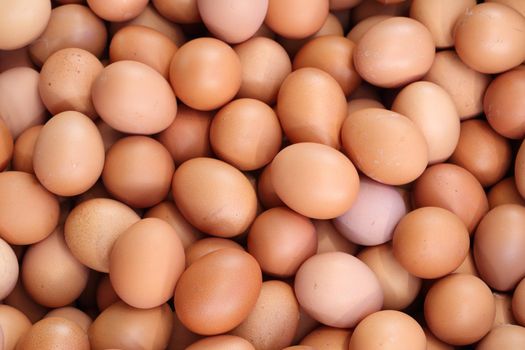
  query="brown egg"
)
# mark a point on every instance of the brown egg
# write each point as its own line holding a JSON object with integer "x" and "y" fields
{"x": 23, "y": 21}
{"x": 14, "y": 324}
{"x": 117, "y": 10}
{"x": 311, "y": 107}
{"x": 69, "y": 154}
{"x": 51, "y": 274}
{"x": 498, "y": 246}
{"x": 388, "y": 329}
{"x": 517, "y": 5}
{"x": 138, "y": 171}
{"x": 453, "y": 188}
{"x": 54, "y": 333}
{"x": 468, "y": 265}
{"x": 292, "y": 19}
{"x": 188, "y": 135}
{"x": 518, "y": 303}
{"x": 246, "y": 133}
{"x": 232, "y": 21}
{"x": 482, "y": 151}
{"x": 109, "y": 135}
{"x": 386, "y": 146}
{"x": 330, "y": 240}
{"x": 459, "y": 309}
{"x": 217, "y": 292}
{"x": 505, "y": 192}
{"x": 386, "y": 57}
{"x": 20, "y": 299}
{"x": 519, "y": 170}
{"x": 434, "y": 343}
{"x": 503, "y": 106}
{"x": 20, "y": 103}
{"x": 214, "y": 196}
{"x": 400, "y": 288}
{"x": 432, "y": 109}
{"x": 368, "y": 8}
{"x": 273, "y": 320}
{"x": 143, "y": 44}
{"x": 9, "y": 271}
{"x": 265, "y": 190}
{"x": 343, "y": 4}
{"x": 328, "y": 338}
{"x": 363, "y": 103}
{"x": 323, "y": 283}
{"x": 208, "y": 245}
{"x": 65, "y": 81}
{"x": 488, "y": 38}
{"x": 28, "y": 212}
{"x": 124, "y": 93}
{"x": 265, "y": 64}
{"x": 72, "y": 314}
{"x": 205, "y": 73}
{"x": 503, "y": 337}
{"x": 314, "y": 180}
{"x": 181, "y": 337}
{"x": 131, "y": 328}
{"x": 281, "y": 240}
{"x": 6, "y": 146}
{"x": 360, "y": 28}
{"x": 15, "y": 58}
{"x": 299, "y": 347}
{"x": 179, "y": 11}
{"x": 106, "y": 294}
{"x": 430, "y": 242}
{"x": 503, "y": 304}
{"x": 440, "y": 17}
{"x": 465, "y": 85}
{"x": 332, "y": 54}
{"x": 220, "y": 342}
{"x": 93, "y": 226}
{"x": 145, "y": 263}
{"x": 70, "y": 25}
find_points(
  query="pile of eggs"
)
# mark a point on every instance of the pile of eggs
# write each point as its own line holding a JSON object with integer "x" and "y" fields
{"x": 262, "y": 174}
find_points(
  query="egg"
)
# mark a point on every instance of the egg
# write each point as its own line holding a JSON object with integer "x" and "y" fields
{"x": 105, "y": 293}
{"x": 314, "y": 180}
{"x": 72, "y": 314}
{"x": 468, "y": 265}
{"x": 145, "y": 263}
{"x": 434, "y": 343}
{"x": 291, "y": 19}
{"x": 265, "y": 190}
{"x": 205, "y": 73}
{"x": 273, "y": 321}
{"x": 6, "y": 146}
{"x": 327, "y": 338}
{"x": 503, "y": 337}
{"x": 117, "y": 11}
{"x": 388, "y": 329}
{"x": 179, "y": 11}
{"x": 124, "y": 93}
{"x": 362, "y": 103}
{"x": 208, "y": 245}
{"x": 14, "y": 325}
{"x": 15, "y": 58}
{"x": 214, "y": 196}
{"x": 182, "y": 337}
{"x": 22, "y": 22}
{"x": 503, "y": 303}
{"x": 459, "y": 309}
{"x": 20, "y": 299}
{"x": 324, "y": 282}
{"x": 221, "y": 342}
{"x": 386, "y": 146}
{"x": 217, "y": 292}
{"x": 9, "y": 271}
{"x": 515, "y": 4}
{"x": 504, "y": 192}
{"x": 330, "y": 240}
{"x": 368, "y": 8}
{"x": 518, "y": 303}
{"x": 68, "y": 156}
{"x": 28, "y": 212}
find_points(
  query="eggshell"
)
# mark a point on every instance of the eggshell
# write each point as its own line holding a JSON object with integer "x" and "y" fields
{"x": 15, "y": 58}
{"x": 105, "y": 293}
{"x": 232, "y": 21}
{"x": 440, "y": 17}
{"x": 374, "y": 215}
{"x": 70, "y": 25}
{"x": 291, "y": 19}
{"x": 503, "y": 304}
{"x": 6, "y": 146}
{"x": 264, "y": 64}
{"x": 134, "y": 98}
{"x": 498, "y": 246}
{"x": 51, "y": 274}
{"x": 504, "y": 192}
{"x": 503, "y": 337}
{"x": 453, "y": 188}
{"x": 432, "y": 109}
{"x": 324, "y": 282}
{"x": 28, "y": 212}
{"x": 311, "y": 107}
{"x": 388, "y": 329}
{"x": 221, "y": 342}
{"x": 69, "y": 154}
{"x": 517, "y": 5}
{"x": 72, "y": 314}
{"x": 214, "y": 196}
{"x": 246, "y": 133}
{"x": 181, "y": 337}
{"x": 20, "y": 103}
{"x": 386, "y": 57}
{"x": 14, "y": 325}
{"x": 265, "y": 190}
{"x": 122, "y": 326}
{"x": 330, "y": 240}
{"x": 488, "y": 38}
{"x": 145, "y": 263}
{"x": 368, "y": 8}
{"x": 434, "y": 343}
{"x": 20, "y": 299}
{"x": 92, "y": 228}
{"x": 205, "y": 73}
{"x": 386, "y": 146}
{"x": 468, "y": 265}
{"x": 328, "y": 338}
{"x": 22, "y": 21}
{"x": 9, "y": 269}
{"x": 179, "y": 11}
{"x": 343, "y": 4}
{"x": 360, "y": 28}
{"x": 54, "y": 333}
{"x": 400, "y": 288}
{"x": 208, "y": 245}
{"x": 314, "y": 180}
{"x": 217, "y": 292}
{"x": 119, "y": 10}
{"x": 459, "y": 309}
{"x": 362, "y": 103}
{"x": 273, "y": 320}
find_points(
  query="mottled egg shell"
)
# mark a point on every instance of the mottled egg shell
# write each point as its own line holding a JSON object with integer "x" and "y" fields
{"x": 220, "y": 342}
{"x": 54, "y": 333}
